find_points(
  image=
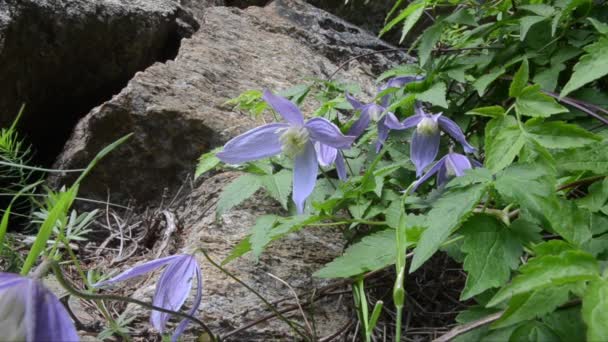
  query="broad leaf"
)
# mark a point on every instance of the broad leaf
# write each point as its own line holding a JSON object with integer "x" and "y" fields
{"x": 447, "y": 214}
{"x": 435, "y": 95}
{"x": 482, "y": 83}
{"x": 278, "y": 186}
{"x": 504, "y": 140}
{"x": 207, "y": 162}
{"x": 558, "y": 134}
{"x": 428, "y": 40}
{"x": 526, "y": 23}
{"x": 520, "y": 80}
{"x": 595, "y": 310}
{"x": 236, "y": 192}
{"x": 593, "y": 158}
{"x": 260, "y": 233}
{"x": 491, "y": 253}
{"x": 590, "y": 67}
{"x": 550, "y": 270}
{"x": 568, "y": 220}
{"x": 532, "y": 102}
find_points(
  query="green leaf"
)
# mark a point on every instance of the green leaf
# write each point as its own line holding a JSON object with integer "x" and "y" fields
{"x": 207, "y": 162}
{"x": 410, "y": 10}
{"x": 568, "y": 220}
{"x": 373, "y": 252}
{"x": 4, "y": 226}
{"x": 595, "y": 310}
{"x": 520, "y": 80}
{"x": 602, "y": 28}
{"x": 532, "y": 102}
{"x": 558, "y": 134}
{"x": 236, "y": 192}
{"x": 491, "y": 253}
{"x": 596, "y": 198}
{"x": 435, "y": 95}
{"x": 447, "y": 214}
{"x": 533, "y": 332}
{"x": 463, "y": 17}
{"x": 239, "y": 250}
{"x": 590, "y": 67}
{"x": 539, "y": 9}
{"x": 428, "y": 40}
{"x": 491, "y": 111}
{"x": 278, "y": 186}
{"x": 503, "y": 142}
{"x": 550, "y": 270}
{"x": 533, "y": 304}
{"x": 260, "y": 233}
{"x": 547, "y": 78}
{"x": 593, "y": 158}
{"x": 567, "y": 323}
{"x": 526, "y": 23}
{"x": 482, "y": 83}
{"x": 411, "y": 20}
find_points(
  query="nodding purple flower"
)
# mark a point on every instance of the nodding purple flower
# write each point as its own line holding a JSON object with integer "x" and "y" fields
{"x": 373, "y": 112}
{"x": 451, "y": 165}
{"x": 295, "y": 139}
{"x": 30, "y": 312}
{"x": 327, "y": 155}
{"x": 172, "y": 289}
{"x": 425, "y": 142}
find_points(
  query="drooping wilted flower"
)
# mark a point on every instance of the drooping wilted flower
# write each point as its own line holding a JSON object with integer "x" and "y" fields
{"x": 30, "y": 312}
{"x": 451, "y": 165}
{"x": 425, "y": 142}
{"x": 295, "y": 139}
{"x": 172, "y": 289}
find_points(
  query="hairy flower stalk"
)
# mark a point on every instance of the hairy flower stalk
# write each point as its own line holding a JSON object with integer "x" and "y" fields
{"x": 172, "y": 289}
{"x": 30, "y": 312}
{"x": 295, "y": 138}
{"x": 451, "y": 165}
{"x": 425, "y": 142}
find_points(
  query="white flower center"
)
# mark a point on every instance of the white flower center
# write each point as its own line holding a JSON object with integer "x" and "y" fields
{"x": 375, "y": 114}
{"x": 12, "y": 315}
{"x": 427, "y": 126}
{"x": 293, "y": 140}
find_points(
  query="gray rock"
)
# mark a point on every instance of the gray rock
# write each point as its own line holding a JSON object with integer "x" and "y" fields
{"x": 63, "y": 57}
{"x": 176, "y": 110}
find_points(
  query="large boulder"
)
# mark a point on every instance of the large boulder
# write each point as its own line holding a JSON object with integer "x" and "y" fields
{"x": 63, "y": 57}
{"x": 176, "y": 109}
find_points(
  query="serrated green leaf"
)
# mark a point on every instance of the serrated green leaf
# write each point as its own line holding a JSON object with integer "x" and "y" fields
{"x": 526, "y": 23}
{"x": 207, "y": 162}
{"x": 595, "y": 310}
{"x": 539, "y": 9}
{"x": 236, "y": 192}
{"x": 547, "y": 78}
{"x": 490, "y": 111}
{"x": 410, "y": 10}
{"x": 463, "y": 17}
{"x": 260, "y": 233}
{"x": 435, "y": 95}
{"x": 567, "y": 323}
{"x": 520, "y": 80}
{"x": 237, "y": 251}
{"x": 532, "y": 305}
{"x": 446, "y": 216}
{"x": 372, "y": 253}
{"x": 602, "y": 28}
{"x": 503, "y": 141}
{"x": 590, "y": 67}
{"x": 411, "y": 20}
{"x": 532, "y": 102}
{"x": 597, "y": 196}
{"x": 550, "y": 270}
{"x": 491, "y": 253}
{"x": 558, "y": 134}
{"x": 533, "y": 331}
{"x": 428, "y": 40}
{"x": 482, "y": 83}
{"x": 593, "y": 158}
{"x": 278, "y": 186}
{"x": 568, "y": 220}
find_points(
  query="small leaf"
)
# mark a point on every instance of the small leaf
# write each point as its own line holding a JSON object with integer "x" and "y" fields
{"x": 520, "y": 80}
{"x": 260, "y": 233}
{"x": 239, "y": 250}
{"x": 596, "y": 198}
{"x": 446, "y": 216}
{"x": 504, "y": 140}
{"x": 435, "y": 95}
{"x": 532, "y": 102}
{"x": 590, "y": 67}
{"x": 550, "y": 270}
{"x": 558, "y": 134}
{"x": 595, "y": 310}
{"x": 278, "y": 186}
{"x": 482, "y": 83}
{"x": 539, "y": 9}
{"x": 207, "y": 162}
{"x": 491, "y": 111}
{"x": 408, "y": 11}
{"x": 526, "y": 23}
{"x": 547, "y": 78}
{"x": 411, "y": 20}
{"x": 428, "y": 40}
{"x": 602, "y": 28}
{"x": 236, "y": 192}
{"x": 463, "y": 17}
{"x": 593, "y": 158}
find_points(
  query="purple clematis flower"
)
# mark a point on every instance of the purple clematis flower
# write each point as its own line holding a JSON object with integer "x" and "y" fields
{"x": 452, "y": 164}
{"x": 172, "y": 289}
{"x": 295, "y": 139}
{"x": 425, "y": 142}
{"x": 30, "y": 312}
{"x": 327, "y": 155}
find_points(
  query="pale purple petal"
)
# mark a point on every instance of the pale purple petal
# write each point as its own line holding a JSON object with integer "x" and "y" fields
{"x": 438, "y": 167}
{"x": 340, "y": 167}
{"x": 458, "y": 163}
{"x": 455, "y": 132}
{"x": 326, "y": 155}
{"x": 51, "y": 320}
{"x": 10, "y": 279}
{"x": 172, "y": 289}
{"x": 260, "y": 142}
{"x": 139, "y": 270}
{"x": 383, "y": 131}
{"x": 412, "y": 121}
{"x": 423, "y": 150}
{"x": 360, "y": 125}
{"x": 287, "y": 109}
{"x": 304, "y": 176}
{"x": 197, "y": 302}
{"x": 397, "y": 82}
{"x": 475, "y": 163}
{"x": 442, "y": 174}
{"x": 391, "y": 121}
{"x": 322, "y": 130}
{"x": 354, "y": 102}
